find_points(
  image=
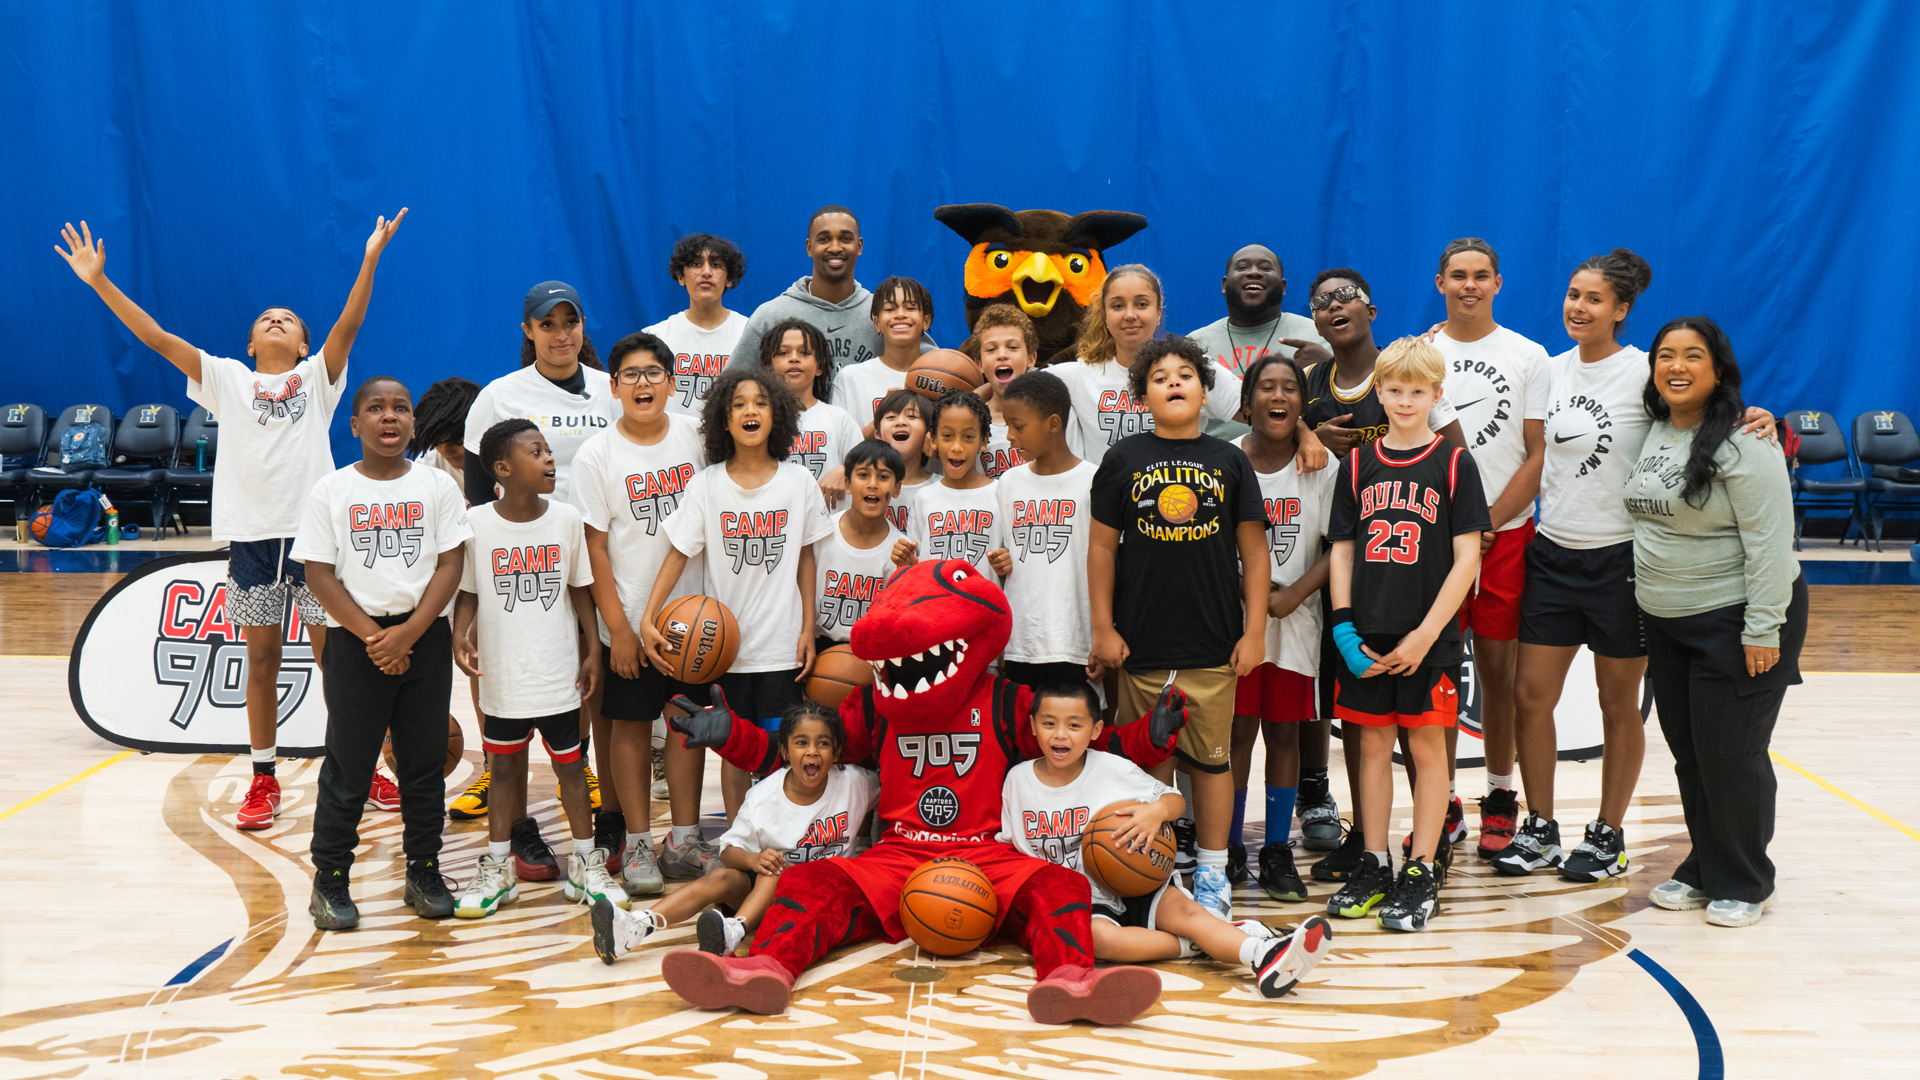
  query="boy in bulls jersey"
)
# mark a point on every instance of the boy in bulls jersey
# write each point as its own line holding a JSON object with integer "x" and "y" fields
{"x": 854, "y": 560}
{"x": 958, "y": 517}
{"x": 382, "y": 541}
{"x": 1408, "y": 511}
{"x": 811, "y": 809}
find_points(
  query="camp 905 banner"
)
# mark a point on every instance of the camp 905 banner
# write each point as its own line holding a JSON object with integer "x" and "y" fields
{"x": 158, "y": 667}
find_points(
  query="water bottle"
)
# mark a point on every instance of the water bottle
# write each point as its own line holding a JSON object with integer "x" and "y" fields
{"x": 113, "y": 528}
{"x": 200, "y": 455}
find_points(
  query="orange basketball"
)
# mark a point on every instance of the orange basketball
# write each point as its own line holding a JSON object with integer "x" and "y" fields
{"x": 948, "y": 906}
{"x": 1124, "y": 871}
{"x": 837, "y": 673}
{"x": 702, "y": 638}
{"x": 942, "y": 371}
{"x": 41, "y": 521}
{"x": 1177, "y": 503}
{"x": 456, "y": 746}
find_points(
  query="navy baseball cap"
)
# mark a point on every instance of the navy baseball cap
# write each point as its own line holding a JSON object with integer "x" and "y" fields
{"x": 542, "y": 297}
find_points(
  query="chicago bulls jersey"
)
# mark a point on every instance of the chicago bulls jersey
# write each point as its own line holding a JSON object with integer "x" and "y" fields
{"x": 769, "y": 820}
{"x": 519, "y": 573}
{"x": 382, "y": 537}
{"x": 1402, "y": 509}
{"x": 1047, "y": 822}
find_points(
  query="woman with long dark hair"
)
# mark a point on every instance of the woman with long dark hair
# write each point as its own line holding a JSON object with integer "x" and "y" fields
{"x": 1725, "y": 613}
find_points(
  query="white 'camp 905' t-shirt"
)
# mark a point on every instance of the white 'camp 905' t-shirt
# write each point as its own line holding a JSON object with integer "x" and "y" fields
{"x": 826, "y": 434}
{"x": 1044, "y": 524}
{"x": 1495, "y": 384}
{"x": 627, "y": 491}
{"x": 273, "y": 442}
{"x": 769, "y": 821}
{"x": 956, "y": 523}
{"x": 520, "y": 571}
{"x": 1104, "y": 411}
{"x": 698, "y": 356}
{"x": 857, "y": 388}
{"x": 383, "y": 537}
{"x": 1596, "y": 423}
{"x": 847, "y": 579}
{"x": 999, "y": 454}
{"x": 1048, "y": 822}
{"x": 567, "y": 419}
{"x": 1297, "y": 511}
{"x": 752, "y": 538}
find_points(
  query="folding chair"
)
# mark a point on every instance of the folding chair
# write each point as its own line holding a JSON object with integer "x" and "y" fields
{"x": 143, "y": 448}
{"x": 50, "y": 478}
{"x": 1884, "y": 442}
{"x": 1823, "y": 443}
{"x": 185, "y": 483}
{"x": 23, "y": 445}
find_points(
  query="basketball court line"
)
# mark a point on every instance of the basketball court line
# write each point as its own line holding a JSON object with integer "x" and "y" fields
{"x": 1832, "y": 789}
{"x": 65, "y": 784}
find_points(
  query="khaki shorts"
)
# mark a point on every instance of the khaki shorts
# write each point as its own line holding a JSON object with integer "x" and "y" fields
{"x": 1203, "y": 743}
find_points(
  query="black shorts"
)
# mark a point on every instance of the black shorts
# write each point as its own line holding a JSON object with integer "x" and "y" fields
{"x": 1135, "y": 910}
{"x": 760, "y": 696}
{"x": 639, "y": 700}
{"x": 510, "y": 735}
{"x": 1424, "y": 697}
{"x": 1035, "y": 676}
{"x": 1582, "y": 596}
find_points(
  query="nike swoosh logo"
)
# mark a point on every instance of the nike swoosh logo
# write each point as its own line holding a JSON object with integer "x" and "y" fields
{"x": 1469, "y": 404}
{"x": 1565, "y": 438}
{"x": 835, "y": 329}
{"x": 550, "y": 292}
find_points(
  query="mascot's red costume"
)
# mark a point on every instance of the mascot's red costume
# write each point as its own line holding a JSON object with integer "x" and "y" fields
{"x": 943, "y": 731}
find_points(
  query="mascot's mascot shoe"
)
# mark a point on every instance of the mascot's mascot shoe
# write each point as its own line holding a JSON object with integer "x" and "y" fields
{"x": 1108, "y": 996}
{"x": 757, "y": 984}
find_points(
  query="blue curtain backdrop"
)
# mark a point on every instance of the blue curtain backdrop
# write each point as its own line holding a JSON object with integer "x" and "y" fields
{"x": 1759, "y": 153}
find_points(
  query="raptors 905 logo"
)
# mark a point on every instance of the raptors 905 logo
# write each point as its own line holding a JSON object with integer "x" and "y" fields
{"x": 203, "y": 654}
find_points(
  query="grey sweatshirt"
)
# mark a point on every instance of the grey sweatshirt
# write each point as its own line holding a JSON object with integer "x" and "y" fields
{"x": 1737, "y": 548}
{"x": 848, "y": 324}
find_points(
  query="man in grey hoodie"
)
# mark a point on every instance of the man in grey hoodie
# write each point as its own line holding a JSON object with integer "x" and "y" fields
{"x": 829, "y": 298}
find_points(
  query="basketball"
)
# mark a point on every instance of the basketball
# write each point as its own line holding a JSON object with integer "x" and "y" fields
{"x": 456, "y": 746}
{"x": 1177, "y": 503}
{"x": 1124, "y": 871}
{"x": 942, "y": 371}
{"x": 41, "y": 521}
{"x": 837, "y": 673}
{"x": 702, "y": 638}
{"x": 948, "y": 906}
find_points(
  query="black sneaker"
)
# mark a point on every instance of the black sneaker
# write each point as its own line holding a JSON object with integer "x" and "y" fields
{"x": 1288, "y": 958}
{"x": 1601, "y": 855}
{"x": 1366, "y": 889}
{"x": 1186, "y": 854}
{"x": 610, "y": 836}
{"x": 1535, "y": 847}
{"x": 1278, "y": 876}
{"x": 1345, "y": 859}
{"x": 1454, "y": 831}
{"x": 1236, "y": 863}
{"x": 1319, "y": 821}
{"x": 532, "y": 859}
{"x": 1414, "y": 899}
{"x": 426, "y": 890}
{"x": 331, "y": 906}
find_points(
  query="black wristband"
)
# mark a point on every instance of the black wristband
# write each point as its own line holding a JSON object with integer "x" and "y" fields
{"x": 1340, "y": 615}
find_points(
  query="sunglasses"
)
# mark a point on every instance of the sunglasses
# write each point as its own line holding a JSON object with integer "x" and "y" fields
{"x": 1345, "y": 294}
{"x": 634, "y": 376}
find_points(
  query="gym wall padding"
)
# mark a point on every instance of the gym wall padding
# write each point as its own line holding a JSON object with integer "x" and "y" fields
{"x": 234, "y": 155}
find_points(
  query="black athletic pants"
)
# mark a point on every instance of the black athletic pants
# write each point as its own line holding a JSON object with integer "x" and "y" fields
{"x": 1718, "y": 721}
{"x": 363, "y": 705}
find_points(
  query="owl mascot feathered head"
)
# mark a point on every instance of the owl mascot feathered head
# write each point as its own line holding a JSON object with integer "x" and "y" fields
{"x": 1047, "y": 263}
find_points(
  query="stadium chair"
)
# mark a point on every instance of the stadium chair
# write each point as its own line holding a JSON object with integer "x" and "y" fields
{"x": 23, "y": 441}
{"x": 184, "y": 482}
{"x": 1884, "y": 442}
{"x": 143, "y": 448}
{"x": 50, "y": 478}
{"x": 1823, "y": 443}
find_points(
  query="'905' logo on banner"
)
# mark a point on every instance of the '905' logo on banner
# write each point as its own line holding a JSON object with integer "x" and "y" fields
{"x": 201, "y": 653}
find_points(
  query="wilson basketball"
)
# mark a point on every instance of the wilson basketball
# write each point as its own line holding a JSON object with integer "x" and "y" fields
{"x": 948, "y": 906}
{"x": 456, "y": 746}
{"x": 41, "y": 521}
{"x": 1124, "y": 871}
{"x": 942, "y": 371}
{"x": 837, "y": 673}
{"x": 702, "y": 638}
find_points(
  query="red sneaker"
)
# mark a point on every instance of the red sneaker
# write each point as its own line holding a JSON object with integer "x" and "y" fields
{"x": 1499, "y": 812}
{"x": 757, "y": 984}
{"x": 262, "y": 803}
{"x": 384, "y": 794}
{"x": 1106, "y": 996}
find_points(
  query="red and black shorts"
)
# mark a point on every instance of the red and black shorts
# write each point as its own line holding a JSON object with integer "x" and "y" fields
{"x": 510, "y": 735}
{"x": 1425, "y": 697}
{"x": 1274, "y": 694}
{"x": 1492, "y": 609}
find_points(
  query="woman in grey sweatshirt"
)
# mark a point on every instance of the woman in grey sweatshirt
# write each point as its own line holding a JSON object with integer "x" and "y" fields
{"x": 1724, "y": 609}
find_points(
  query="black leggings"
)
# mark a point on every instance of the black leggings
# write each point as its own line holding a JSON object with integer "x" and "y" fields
{"x": 363, "y": 705}
{"x": 1718, "y": 721}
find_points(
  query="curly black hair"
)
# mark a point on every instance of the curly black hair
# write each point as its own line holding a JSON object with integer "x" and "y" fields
{"x": 1044, "y": 391}
{"x": 968, "y": 400}
{"x": 816, "y": 344}
{"x": 811, "y": 710}
{"x": 494, "y": 444}
{"x": 1155, "y": 351}
{"x": 440, "y": 416}
{"x": 689, "y": 249}
{"x": 1252, "y": 377}
{"x": 912, "y": 293}
{"x": 715, "y": 410}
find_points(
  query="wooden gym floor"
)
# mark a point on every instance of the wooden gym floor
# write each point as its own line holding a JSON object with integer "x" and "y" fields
{"x": 144, "y": 936}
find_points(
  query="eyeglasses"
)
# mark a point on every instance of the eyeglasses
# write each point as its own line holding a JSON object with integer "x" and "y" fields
{"x": 1342, "y": 295}
{"x": 634, "y": 376}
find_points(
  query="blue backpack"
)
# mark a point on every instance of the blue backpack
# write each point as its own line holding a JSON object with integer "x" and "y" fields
{"x": 78, "y": 517}
{"x": 83, "y": 446}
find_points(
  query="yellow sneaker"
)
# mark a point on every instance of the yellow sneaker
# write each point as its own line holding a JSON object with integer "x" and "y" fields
{"x": 593, "y": 789}
{"x": 471, "y": 804}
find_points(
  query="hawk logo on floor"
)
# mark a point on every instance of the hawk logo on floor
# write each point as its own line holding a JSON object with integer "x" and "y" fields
{"x": 527, "y": 574}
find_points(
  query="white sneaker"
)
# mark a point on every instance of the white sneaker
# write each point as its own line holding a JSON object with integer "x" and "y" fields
{"x": 492, "y": 885}
{"x": 588, "y": 880}
{"x": 617, "y": 933}
{"x": 1213, "y": 892}
{"x": 719, "y": 934}
{"x": 1676, "y": 895}
{"x": 641, "y": 871}
{"x": 1738, "y": 912}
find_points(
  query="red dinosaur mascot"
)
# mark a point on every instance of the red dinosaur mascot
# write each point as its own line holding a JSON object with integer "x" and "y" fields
{"x": 943, "y": 731}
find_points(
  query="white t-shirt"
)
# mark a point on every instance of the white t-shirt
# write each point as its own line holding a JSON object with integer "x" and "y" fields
{"x": 752, "y": 538}
{"x": 1104, "y": 412}
{"x": 567, "y": 420}
{"x": 847, "y": 579}
{"x": 955, "y": 523}
{"x": 520, "y": 572}
{"x": 859, "y": 387}
{"x": 1495, "y": 384}
{"x": 698, "y": 356}
{"x": 627, "y": 491}
{"x": 826, "y": 434}
{"x": 1297, "y": 511}
{"x": 1049, "y": 822}
{"x": 383, "y": 537}
{"x": 901, "y": 512}
{"x": 1044, "y": 523}
{"x": 273, "y": 442}
{"x": 1596, "y": 424}
{"x": 829, "y": 826}
{"x": 999, "y": 455}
